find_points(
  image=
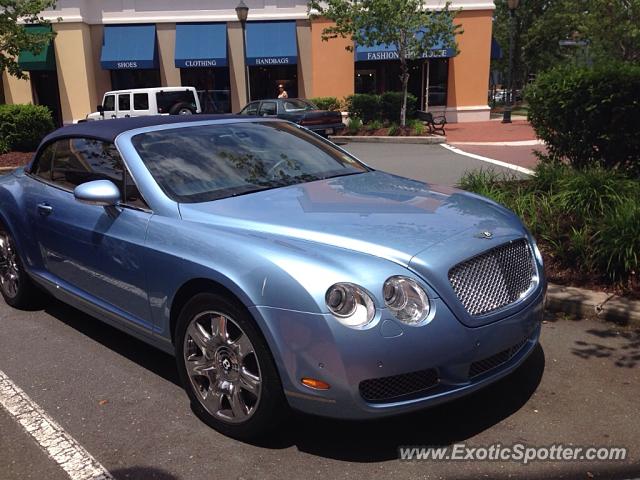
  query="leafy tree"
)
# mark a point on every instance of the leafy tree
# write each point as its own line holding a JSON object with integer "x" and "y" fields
{"x": 408, "y": 25}
{"x": 14, "y": 37}
{"x": 600, "y": 30}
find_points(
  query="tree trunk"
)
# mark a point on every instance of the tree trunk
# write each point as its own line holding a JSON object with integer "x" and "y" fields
{"x": 404, "y": 77}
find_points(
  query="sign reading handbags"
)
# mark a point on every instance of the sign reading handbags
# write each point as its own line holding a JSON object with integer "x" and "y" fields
{"x": 268, "y": 61}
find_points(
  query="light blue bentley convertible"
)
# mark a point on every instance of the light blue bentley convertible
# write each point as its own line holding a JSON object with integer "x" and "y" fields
{"x": 281, "y": 271}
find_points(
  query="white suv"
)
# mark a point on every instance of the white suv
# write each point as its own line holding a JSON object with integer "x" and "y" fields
{"x": 147, "y": 101}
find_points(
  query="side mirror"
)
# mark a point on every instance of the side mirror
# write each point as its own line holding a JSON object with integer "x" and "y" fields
{"x": 98, "y": 192}
{"x": 100, "y": 108}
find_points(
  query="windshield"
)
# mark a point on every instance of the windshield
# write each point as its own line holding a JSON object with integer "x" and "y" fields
{"x": 295, "y": 105}
{"x": 208, "y": 162}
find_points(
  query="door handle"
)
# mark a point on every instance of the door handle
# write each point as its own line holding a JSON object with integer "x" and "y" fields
{"x": 45, "y": 209}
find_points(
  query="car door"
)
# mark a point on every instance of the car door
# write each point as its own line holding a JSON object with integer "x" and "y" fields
{"x": 124, "y": 105}
{"x": 141, "y": 105}
{"x": 109, "y": 106}
{"x": 95, "y": 252}
{"x": 268, "y": 109}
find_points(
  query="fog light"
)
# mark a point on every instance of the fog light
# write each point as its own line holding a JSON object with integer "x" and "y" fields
{"x": 315, "y": 383}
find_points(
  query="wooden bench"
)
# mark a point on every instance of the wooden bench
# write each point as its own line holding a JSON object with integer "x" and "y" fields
{"x": 434, "y": 124}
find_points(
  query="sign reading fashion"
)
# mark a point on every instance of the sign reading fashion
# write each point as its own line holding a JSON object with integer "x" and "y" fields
{"x": 393, "y": 54}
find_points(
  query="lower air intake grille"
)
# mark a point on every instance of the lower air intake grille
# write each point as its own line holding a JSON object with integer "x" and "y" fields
{"x": 489, "y": 363}
{"x": 390, "y": 388}
{"x": 495, "y": 278}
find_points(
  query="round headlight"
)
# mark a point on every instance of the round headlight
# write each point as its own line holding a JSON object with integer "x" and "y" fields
{"x": 350, "y": 304}
{"x": 406, "y": 300}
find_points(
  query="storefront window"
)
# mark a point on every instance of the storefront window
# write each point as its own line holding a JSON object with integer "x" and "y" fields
{"x": 128, "y": 79}
{"x": 44, "y": 85}
{"x": 384, "y": 76}
{"x": 212, "y": 85}
{"x": 264, "y": 81}
{"x": 438, "y": 81}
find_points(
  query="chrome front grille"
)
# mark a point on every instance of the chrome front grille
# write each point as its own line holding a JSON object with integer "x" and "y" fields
{"x": 495, "y": 278}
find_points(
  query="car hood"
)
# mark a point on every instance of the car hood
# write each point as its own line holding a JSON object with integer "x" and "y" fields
{"x": 374, "y": 213}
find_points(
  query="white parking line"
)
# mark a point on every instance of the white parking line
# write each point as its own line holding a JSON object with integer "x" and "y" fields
{"x": 516, "y": 143}
{"x": 58, "y": 444}
{"x": 487, "y": 159}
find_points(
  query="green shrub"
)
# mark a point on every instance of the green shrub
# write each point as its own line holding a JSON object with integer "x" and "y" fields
{"x": 327, "y": 103}
{"x": 23, "y": 126}
{"x": 364, "y": 106}
{"x": 394, "y": 130}
{"x": 391, "y": 103}
{"x": 585, "y": 220}
{"x": 4, "y": 146}
{"x": 417, "y": 126}
{"x": 589, "y": 116}
{"x": 353, "y": 125}
{"x": 374, "y": 125}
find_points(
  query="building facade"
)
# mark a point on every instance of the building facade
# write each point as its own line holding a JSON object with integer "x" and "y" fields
{"x": 103, "y": 45}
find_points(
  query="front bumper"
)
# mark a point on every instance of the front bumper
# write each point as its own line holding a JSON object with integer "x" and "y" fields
{"x": 464, "y": 359}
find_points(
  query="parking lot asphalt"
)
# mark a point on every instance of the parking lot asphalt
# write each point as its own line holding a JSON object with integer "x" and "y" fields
{"x": 121, "y": 400}
{"x": 428, "y": 163}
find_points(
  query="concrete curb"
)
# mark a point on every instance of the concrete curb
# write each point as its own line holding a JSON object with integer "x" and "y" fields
{"x": 403, "y": 140}
{"x": 590, "y": 303}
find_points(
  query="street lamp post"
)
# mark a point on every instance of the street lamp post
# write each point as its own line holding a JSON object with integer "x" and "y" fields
{"x": 513, "y": 5}
{"x": 242, "y": 11}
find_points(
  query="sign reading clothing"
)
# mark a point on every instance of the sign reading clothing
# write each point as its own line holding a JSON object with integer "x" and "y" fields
{"x": 201, "y": 45}
{"x": 272, "y": 43}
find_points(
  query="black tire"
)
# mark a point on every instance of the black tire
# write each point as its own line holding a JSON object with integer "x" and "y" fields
{"x": 271, "y": 407}
{"x": 19, "y": 292}
{"x": 182, "y": 109}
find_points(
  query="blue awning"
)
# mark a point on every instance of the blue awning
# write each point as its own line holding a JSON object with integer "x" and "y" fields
{"x": 272, "y": 43}
{"x": 201, "y": 45}
{"x": 383, "y": 51}
{"x": 129, "y": 47}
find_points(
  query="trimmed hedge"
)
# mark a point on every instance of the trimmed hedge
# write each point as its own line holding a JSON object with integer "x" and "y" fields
{"x": 385, "y": 107}
{"x": 589, "y": 116}
{"x": 365, "y": 106}
{"x": 22, "y": 127}
{"x": 327, "y": 103}
{"x": 391, "y": 103}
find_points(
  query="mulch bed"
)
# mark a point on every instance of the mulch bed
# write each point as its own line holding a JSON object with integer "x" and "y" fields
{"x": 384, "y": 132}
{"x": 15, "y": 159}
{"x": 566, "y": 276}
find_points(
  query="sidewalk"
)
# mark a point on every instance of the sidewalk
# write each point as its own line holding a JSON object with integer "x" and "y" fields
{"x": 513, "y": 143}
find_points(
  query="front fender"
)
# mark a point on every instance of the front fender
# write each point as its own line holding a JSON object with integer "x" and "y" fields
{"x": 261, "y": 270}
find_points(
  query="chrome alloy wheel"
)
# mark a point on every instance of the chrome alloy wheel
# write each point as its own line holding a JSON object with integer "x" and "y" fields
{"x": 9, "y": 268}
{"x": 185, "y": 111}
{"x": 222, "y": 366}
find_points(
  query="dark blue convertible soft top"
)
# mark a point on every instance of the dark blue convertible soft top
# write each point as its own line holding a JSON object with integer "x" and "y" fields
{"x": 108, "y": 130}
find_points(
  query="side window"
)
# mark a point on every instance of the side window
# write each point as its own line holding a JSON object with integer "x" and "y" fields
{"x": 141, "y": 101}
{"x": 42, "y": 167}
{"x": 109, "y": 103}
{"x": 268, "y": 108}
{"x": 251, "y": 109}
{"x": 80, "y": 160}
{"x": 124, "y": 101}
{"x": 167, "y": 100}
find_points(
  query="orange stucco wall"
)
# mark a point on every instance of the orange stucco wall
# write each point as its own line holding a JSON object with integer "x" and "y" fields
{"x": 469, "y": 70}
{"x": 333, "y": 66}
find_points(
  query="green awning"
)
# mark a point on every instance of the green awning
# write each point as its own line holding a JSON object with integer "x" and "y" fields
{"x": 44, "y": 60}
